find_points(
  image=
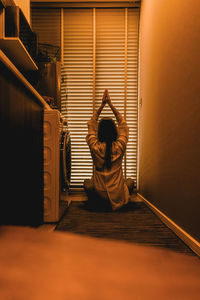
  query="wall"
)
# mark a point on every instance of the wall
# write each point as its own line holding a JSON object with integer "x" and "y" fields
{"x": 21, "y": 159}
{"x": 170, "y": 111}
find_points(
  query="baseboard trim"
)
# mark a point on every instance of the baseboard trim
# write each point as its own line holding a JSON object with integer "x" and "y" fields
{"x": 193, "y": 244}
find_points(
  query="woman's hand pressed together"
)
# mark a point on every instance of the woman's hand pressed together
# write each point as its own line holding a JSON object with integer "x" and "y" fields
{"x": 108, "y": 100}
{"x": 104, "y": 98}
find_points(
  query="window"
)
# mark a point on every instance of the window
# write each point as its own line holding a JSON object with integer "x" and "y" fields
{"x": 99, "y": 50}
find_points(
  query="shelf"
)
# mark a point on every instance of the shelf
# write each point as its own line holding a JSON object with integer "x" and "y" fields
{"x": 6, "y": 61}
{"x": 17, "y": 53}
{"x": 2, "y": 4}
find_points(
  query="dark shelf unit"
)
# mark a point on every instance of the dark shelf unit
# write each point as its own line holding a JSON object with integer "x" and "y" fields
{"x": 17, "y": 26}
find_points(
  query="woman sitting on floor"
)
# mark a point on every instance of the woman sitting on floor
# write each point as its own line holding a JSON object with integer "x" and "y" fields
{"x": 107, "y": 146}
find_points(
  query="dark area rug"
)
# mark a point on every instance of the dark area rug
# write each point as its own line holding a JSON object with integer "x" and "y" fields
{"x": 135, "y": 223}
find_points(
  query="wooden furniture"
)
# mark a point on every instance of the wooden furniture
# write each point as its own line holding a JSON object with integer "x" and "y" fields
{"x": 17, "y": 40}
{"x": 21, "y": 157}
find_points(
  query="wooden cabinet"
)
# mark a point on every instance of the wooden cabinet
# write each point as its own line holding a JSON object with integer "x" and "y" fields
{"x": 21, "y": 157}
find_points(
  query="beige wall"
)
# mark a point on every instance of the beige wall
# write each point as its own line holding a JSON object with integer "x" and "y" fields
{"x": 170, "y": 112}
{"x": 25, "y": 7}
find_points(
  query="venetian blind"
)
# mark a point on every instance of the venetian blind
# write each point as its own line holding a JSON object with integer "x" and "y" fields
{"x": 100, "y": 51}
{"x": 77, "y": 87}
{"x": 47, "y": 25}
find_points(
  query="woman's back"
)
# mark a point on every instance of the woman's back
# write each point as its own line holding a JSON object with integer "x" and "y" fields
{"x": 109, "y": 181}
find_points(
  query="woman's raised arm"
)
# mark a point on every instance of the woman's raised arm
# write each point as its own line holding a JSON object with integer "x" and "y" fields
{"x": 99, "y": 110}
{"x": 117, "y": 114}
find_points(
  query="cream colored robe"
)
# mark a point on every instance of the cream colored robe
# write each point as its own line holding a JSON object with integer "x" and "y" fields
{"x": 109, "y": 184}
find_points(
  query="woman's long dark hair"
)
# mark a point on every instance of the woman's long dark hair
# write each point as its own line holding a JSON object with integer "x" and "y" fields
{"x": 107, "y": 132}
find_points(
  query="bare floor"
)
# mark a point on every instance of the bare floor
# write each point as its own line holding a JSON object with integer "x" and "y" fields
{"x": 39, "y": 264}
{"x": 44, "y": 264}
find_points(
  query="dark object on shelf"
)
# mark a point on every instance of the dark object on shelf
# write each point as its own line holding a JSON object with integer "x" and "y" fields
{"x": 48, "y": 53}
{"x": 17, "y": 26}
{"x": 51, "y": 101}
{"x": 4, "y": 3}
{"x": 47, "y": 82}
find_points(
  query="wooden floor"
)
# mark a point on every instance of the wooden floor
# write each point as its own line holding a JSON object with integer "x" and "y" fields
{"x": 39, "y": 265}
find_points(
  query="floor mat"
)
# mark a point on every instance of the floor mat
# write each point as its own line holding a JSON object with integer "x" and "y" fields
{"x": 134, "y": 223}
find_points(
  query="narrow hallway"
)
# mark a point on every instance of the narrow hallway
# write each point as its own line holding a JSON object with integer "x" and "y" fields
{"x": 65, "y": 66}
